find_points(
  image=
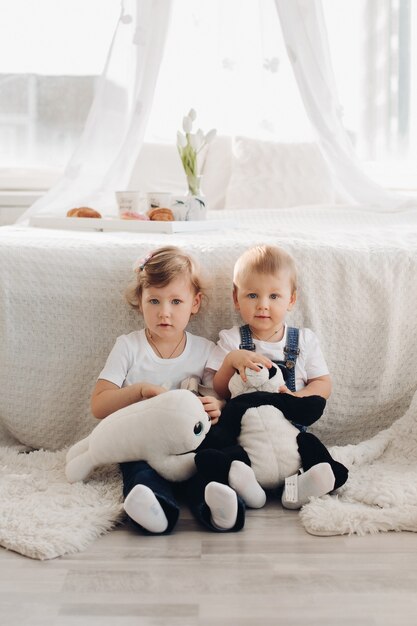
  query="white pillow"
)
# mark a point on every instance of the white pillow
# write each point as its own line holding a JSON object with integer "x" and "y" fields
{"x": 158, "y": 168}
{"x": 273, "y": 175}
{"x": 217, "y": 171}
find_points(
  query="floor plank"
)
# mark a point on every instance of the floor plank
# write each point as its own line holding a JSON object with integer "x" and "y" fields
{"x": 272, "y": 572}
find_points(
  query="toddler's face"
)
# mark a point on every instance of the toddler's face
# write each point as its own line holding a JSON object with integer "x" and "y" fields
{"x": 167, "y": 310}
{"x": 263, "y": 301}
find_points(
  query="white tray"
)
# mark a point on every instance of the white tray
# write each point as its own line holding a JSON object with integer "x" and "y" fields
{"x": 138, "y": 226}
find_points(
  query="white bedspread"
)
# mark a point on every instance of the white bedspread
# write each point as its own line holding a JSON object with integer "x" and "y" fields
{"x": 61, "y": 308}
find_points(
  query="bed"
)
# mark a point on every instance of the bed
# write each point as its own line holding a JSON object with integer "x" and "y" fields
{"x": 62, "y": 306}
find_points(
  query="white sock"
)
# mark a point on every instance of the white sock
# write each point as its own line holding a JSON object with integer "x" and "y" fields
{"x": 317, "y": 481}
{"x": 143, "y": 507}
{"x": 222, "y": 502}
{"x": 242, "y": 479}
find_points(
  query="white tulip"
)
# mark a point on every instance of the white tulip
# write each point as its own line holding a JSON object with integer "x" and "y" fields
{"x": 200, "y": 137}
{"x": 194, "y": 142}
{"x": 210, "y": 135}
{"x": 181, "y": 140}
{"x": 187, "y": 124}
{"x": 189, "y": 145}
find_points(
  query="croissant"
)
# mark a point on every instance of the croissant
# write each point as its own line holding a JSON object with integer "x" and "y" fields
{"x": 161, "y": 215}
{"x": 83, "y": 211}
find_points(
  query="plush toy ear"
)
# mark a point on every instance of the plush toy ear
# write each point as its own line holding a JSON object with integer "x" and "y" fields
{"x": 276, "y": 378}
{"x": 272, "y": 371}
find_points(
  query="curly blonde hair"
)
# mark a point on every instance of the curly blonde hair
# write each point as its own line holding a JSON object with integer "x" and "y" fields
{"x": 159, "y": 268}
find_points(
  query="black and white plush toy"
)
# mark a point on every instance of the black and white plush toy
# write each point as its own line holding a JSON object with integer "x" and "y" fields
{"x": 264, "y": 429}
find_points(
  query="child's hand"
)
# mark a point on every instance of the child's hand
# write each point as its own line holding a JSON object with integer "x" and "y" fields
{"x": 150, "y": 391}
{"x": 241, "y": 359}
{"x": 284, "y": 389}
{"x": 212, "y": 407}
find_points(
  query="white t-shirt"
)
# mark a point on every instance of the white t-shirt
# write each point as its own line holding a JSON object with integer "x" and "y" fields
{"x": 310, "y": 362}
{"x": 132, "y": 360}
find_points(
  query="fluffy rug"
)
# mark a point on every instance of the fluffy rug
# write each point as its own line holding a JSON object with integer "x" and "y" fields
{"x": 42, "y": 516}
{"x": 381, "y": 493}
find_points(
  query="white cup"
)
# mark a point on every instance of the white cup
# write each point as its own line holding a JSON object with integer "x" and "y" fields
{"x": 129, "y": 201}
{"x": 158, "y": 200}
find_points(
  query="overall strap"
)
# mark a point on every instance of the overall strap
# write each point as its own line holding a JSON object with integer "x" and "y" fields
{"x": 246, "y": 341}
{"x": 291, "y": 352}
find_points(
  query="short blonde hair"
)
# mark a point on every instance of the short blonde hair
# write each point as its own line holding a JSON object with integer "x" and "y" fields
{"x": 159, "y": 268}
{"x": 264, "y": 259}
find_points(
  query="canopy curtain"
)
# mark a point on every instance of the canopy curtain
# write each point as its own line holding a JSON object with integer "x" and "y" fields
{"x": 116, "y": 123}
{"x": 114, "y": 131}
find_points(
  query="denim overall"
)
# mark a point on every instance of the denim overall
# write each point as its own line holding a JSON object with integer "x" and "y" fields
{"x": 291, "y": 352}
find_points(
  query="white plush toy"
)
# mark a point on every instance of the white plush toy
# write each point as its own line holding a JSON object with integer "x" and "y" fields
{"x": 164, "y": 431}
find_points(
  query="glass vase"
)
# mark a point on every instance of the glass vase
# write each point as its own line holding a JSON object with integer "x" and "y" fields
{"x": 196, "y": 208}
{"x": 192, "y": 206}
{"x": 194, "y": 184}
{"x": 195, "y": 200}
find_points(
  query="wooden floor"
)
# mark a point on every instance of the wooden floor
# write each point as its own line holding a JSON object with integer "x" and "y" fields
{"x": 271, "y": 573}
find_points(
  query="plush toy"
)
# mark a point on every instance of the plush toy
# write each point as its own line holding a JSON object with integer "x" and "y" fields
{"x": 164, "y": 431}
{"x": 266, "y": 426}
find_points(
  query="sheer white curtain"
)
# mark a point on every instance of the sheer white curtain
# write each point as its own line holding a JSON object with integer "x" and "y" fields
{"x": 232, "y": 68}
{"x": 116, "y": 124}
{"x": 115, "y": 128}
{"x": 304, "y": 31}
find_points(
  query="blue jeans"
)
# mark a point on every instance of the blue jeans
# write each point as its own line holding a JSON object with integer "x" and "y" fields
{"x": 140, "y": 473}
